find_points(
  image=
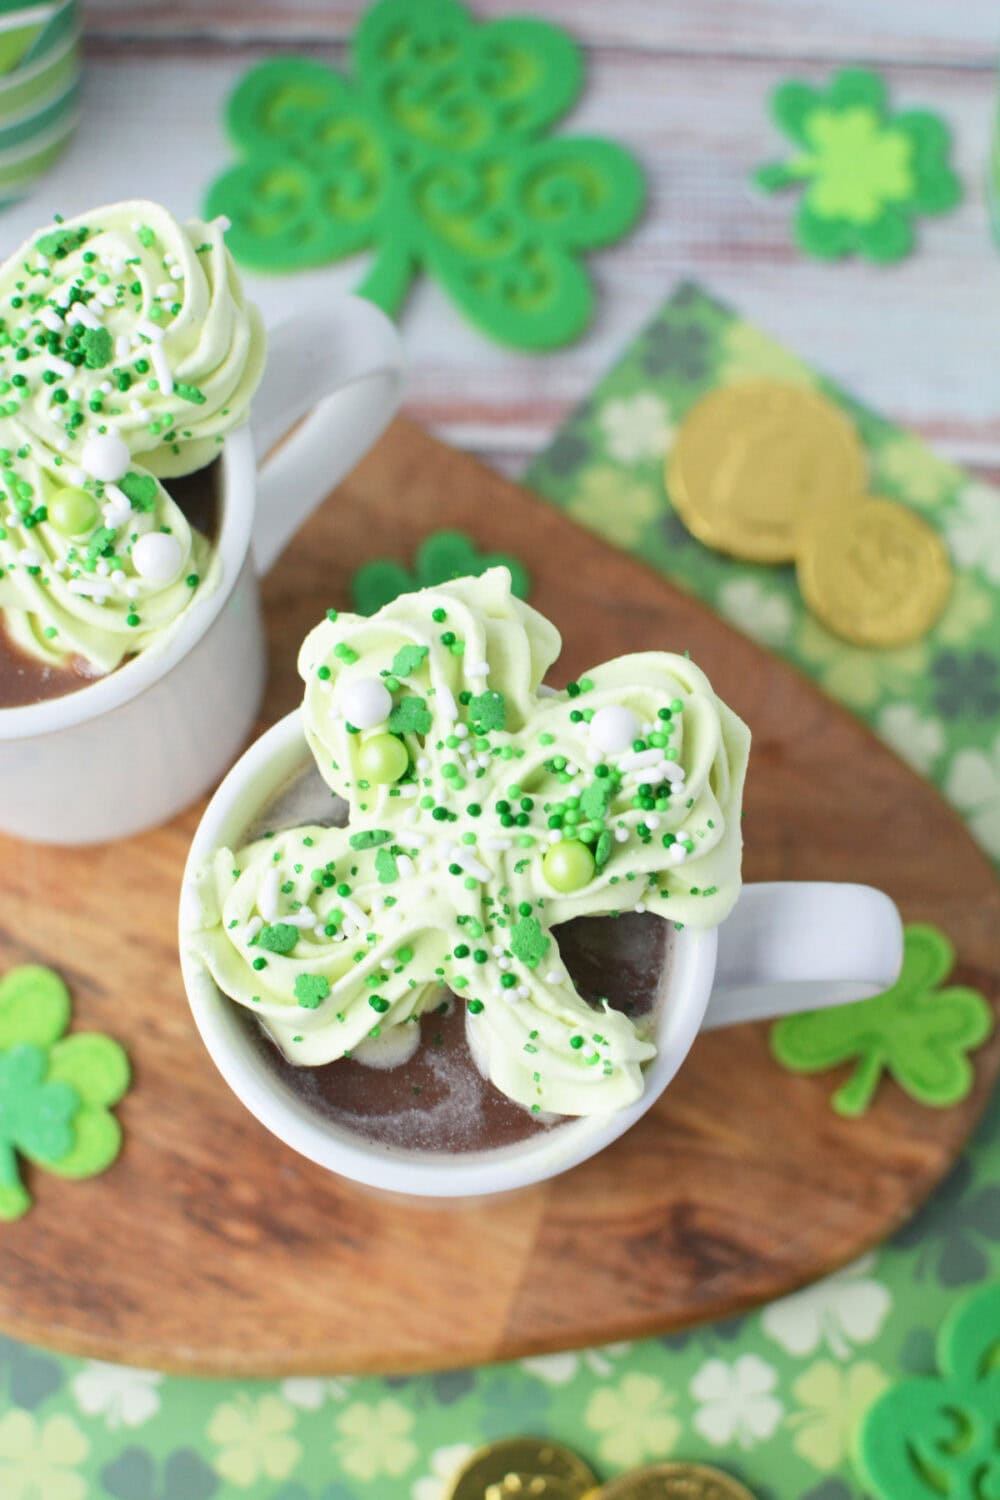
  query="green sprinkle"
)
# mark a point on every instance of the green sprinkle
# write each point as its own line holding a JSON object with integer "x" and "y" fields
{"x": 529, "y": 942}
{"x": 281, "y": 937}
{"x": 190, "y": 393}
{"x": 369, "y": 838}
{"x": 311, "y": 990}
{"x": 410, "y": 716}
{"x": 488, "y": 711}
{"x": 385, "y": 867}
{"x": 407, "y": 659}
{"x": 476, "y": 1007}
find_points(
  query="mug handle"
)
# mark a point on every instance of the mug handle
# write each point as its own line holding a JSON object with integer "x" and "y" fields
{"x": 791, "y": 945}
{"x": 341, "y": 368}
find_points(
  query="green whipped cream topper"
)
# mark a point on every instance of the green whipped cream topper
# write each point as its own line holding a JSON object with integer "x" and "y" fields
{"x": 484, "y": 811}
{"x": 127, "y": 351}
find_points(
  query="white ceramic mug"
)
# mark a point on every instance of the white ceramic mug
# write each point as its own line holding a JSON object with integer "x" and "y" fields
{"x": 132, "y": 749}
{"x": 785, "y": 947}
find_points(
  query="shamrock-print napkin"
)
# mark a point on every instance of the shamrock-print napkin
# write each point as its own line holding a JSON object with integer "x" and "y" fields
{"x": 935, "y": 702}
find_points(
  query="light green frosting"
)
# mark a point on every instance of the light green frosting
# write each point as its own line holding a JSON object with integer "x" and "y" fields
{"x": 122, "y": 324}
{"x": 452, "y": 889}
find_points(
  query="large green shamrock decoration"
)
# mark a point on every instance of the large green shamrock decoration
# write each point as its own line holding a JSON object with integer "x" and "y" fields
{"x": 867, "y": 173}
{"x": 54, "y": 1094}
{"x": 442, "y": 556}
{"x": 432, "y": 155}
{"x": 915, "y": 1031}
{"x": 939, "y": 1436}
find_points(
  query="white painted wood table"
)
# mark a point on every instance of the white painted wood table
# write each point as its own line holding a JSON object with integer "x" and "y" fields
{"x": 685, "y": 84}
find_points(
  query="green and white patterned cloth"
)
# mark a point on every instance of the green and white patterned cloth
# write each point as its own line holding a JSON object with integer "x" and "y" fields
{"x": 774, "y": 1397}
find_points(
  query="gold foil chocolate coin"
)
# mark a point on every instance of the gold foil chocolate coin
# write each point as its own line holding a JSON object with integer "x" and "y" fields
{"x": 674, "y": 1482}
{"x": 520, "y": 1458}
{"x": 875, "y": 574}
{"x": 753, "y": 460}
{"x": 532, "y": 1487}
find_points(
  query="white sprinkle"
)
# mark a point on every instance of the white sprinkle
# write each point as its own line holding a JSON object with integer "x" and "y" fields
{"x": 388, "y": 964}
{"x": 461, "y": 731}
{"x": 77, "y": 393}
{"x": 446, "y": 703}
{"x": 633, "y": 759}
{"x": 485, "y": 761}
{"x": 103, "y": 569}
{"x": 122, "y": 347}
{"x": 404, "y": 791}
{"x": 477, "y": 669}
{"x": 51, "y": 319}
{"x": 135, "y": 406}
{"x": 85, "y": 316}
{"x": 131, "y": 591}
{"x": 149, "y": 330}
{"x": 105, "y": 387}
{"x": 166, "y": 289}
{"x": 118, "y": 576}
{"x": 43, "y": 261}
{"x": 349, "y": 928}
{"x": 473, "y": 867}
{"x": 29, "y": 557}
{"x": 59, "y": 366}
{"x": 65, "y": 296}
{"x": 522, "y": 992}
{"x": 352, "y": 910}
{"x": 267, "y": 900}
{"x": 503, "y": 963}
{"x": 404, "y": 864}
{"x": 253, "y": 927}
{"x": 164, "y": 373}
{"x": 418, "y": 840}
{"x": 304, "y": 917}
{"x": 106, "y": 297}
{"x": 650, "y": 774}
{"x": 621, "y": 835}
{"x": 423, "y": 764}
{"x": 88, "y": 589}
{"x": 59, "y": 566}
{"x": 571, "y": 768}
{"x": 652, "y": 822}
{"x": 498, "y": 950}
{"x": 500, "y": 845}
{"x": 553, "y": 977}
{"x": 639, "y": 908}
{"x": 554, "y": 836}
{"x": 378, "y": 905}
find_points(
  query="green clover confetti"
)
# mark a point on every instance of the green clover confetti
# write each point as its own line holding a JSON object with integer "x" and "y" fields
{"x": 55, "y": 1091}
{"x": 433, "y": 155}
{"x": 441, "y": 557}
{"x": 916, "y": 1032}
{"x": 867, "y": 173}
{"x": 938, "y": 1435}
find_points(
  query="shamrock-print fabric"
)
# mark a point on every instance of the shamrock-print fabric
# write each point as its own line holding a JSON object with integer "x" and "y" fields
{"x": 774, "y": 1397}
{"x": 434, "y": 154}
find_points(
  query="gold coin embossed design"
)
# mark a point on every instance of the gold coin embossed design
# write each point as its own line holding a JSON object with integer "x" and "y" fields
{"x": 519, "y": 1457}
{"x": 674, "y": 1482}
{"x": 876, "y": 575}
{"x": 533, "y": 1487}
{"x": 753, "y": 460}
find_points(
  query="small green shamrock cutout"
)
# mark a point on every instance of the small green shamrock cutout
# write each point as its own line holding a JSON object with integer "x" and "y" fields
{"x": 915, "y": 1031}
{"x": 441, "y": 557}
{"x": 867, "y": 173}
{"x": 432, "y": 155}
{"x": 939, "y": 1435}
{"x": 55, "y": 1091}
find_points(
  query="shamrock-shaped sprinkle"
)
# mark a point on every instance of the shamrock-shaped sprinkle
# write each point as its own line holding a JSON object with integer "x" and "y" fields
{"x": 867, "y": 173}
{"x": 432, "y": 155}
{"x": 484, "y": 812}
{"x": 442, "y": 556}
{"x": 939, "y": 1435}
{"x": 916, "y": 1032}
{"x": 54, "y": 1094}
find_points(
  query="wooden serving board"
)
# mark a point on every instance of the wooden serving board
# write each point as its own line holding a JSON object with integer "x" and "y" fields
{"x": 212, "y": 1248}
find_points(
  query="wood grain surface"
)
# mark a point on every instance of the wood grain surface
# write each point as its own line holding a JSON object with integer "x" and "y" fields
{"x": 210, "y": 1247}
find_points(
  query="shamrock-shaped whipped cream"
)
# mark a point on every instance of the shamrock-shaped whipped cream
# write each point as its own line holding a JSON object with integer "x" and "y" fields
{"x": 484, "y": 811}
{"x": 55, "y": 1091}
{"x": 127, "y": 351}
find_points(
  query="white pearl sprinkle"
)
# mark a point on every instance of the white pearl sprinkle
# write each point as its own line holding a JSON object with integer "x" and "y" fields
{"x": 157, "y": 557}
{"x": 105, "y": 457}
{"x": 614, "y": 727}
{"x": 365, "y": 702}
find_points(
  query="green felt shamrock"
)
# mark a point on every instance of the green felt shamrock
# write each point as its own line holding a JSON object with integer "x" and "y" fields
{"x": 867, "y": 173}
{"x": 915, "y": 1031}
{"x": 939, "y": 1436}
{"x": 432, "y": 155}
{"x": 441, "y": 557}
{"x": 54, "y": 1094}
